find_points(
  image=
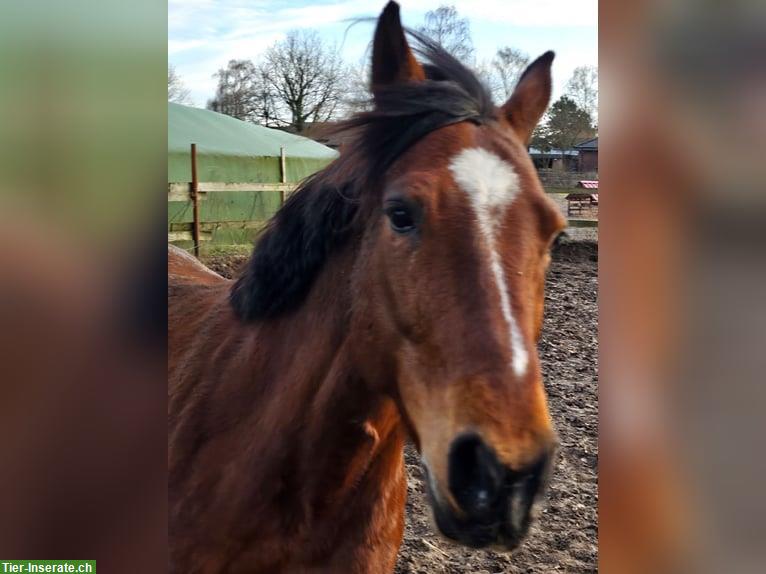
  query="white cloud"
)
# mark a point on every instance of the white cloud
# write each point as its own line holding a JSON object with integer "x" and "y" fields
{"x": 177, "y": 46}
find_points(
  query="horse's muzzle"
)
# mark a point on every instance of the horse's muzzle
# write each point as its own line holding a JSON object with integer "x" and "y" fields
{"x": 495, "y": 502}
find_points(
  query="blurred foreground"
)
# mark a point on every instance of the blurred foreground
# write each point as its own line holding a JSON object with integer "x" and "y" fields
{"x": 682, "y": 307}
{"x": 82, "y": 302}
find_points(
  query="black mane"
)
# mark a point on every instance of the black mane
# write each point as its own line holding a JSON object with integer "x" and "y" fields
{"x": 327, "y": 208}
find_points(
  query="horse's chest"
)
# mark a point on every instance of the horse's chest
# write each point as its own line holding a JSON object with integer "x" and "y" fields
{"x": 366, "y": 539}
{"x": 359, "y": 533}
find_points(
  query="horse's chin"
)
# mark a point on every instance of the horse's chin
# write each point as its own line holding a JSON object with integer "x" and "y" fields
{"x": 502, "y": 528}
{"x": 497, "y": 537}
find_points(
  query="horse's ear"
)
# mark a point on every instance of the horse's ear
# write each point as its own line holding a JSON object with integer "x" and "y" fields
{"x": 530, "y": 98}
{"x": 392, "y": 58}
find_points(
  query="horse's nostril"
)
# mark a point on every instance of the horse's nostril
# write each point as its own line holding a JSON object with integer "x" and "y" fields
{"x": 475, "y": 475}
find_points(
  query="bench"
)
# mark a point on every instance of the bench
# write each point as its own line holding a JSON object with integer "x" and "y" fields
{"x": 578, "y": 202}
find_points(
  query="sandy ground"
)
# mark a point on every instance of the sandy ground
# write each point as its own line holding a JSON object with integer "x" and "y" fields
{"x": 566, "y": 537}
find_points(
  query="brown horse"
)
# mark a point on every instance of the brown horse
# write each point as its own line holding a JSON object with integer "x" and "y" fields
{"x": 398, "y": 293}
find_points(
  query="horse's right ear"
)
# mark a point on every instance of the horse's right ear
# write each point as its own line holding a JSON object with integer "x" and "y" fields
{"x": 392, "y": 58}
{"x": 530, "y": 98}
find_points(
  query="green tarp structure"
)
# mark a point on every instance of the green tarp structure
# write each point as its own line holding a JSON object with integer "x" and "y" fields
{"x": 232, "y": 151}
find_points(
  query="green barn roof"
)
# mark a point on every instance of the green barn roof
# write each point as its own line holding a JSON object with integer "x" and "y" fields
{"x": 230, "y": 150}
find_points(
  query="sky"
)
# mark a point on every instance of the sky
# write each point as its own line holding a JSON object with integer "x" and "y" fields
{"x": 203, "y": 35}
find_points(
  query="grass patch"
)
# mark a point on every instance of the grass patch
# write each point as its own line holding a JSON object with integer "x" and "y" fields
{"x": 564, "y": 190}
{"x": 214, "y": 250}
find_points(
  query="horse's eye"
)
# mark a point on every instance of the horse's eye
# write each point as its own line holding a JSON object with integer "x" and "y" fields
{"x": 400, "y": 218}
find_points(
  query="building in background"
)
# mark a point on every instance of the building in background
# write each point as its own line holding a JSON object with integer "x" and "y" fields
{"x": 556, "y": 159}
{"x": 244, "y": 172}
{"x": 588, "y": 155}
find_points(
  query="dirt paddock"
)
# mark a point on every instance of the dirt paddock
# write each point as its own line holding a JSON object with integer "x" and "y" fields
{"x": 566, "y": 536}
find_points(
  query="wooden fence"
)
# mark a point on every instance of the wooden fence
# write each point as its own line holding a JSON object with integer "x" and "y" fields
{"x": 234, "y": 212}
{"x": 237, "y": 206}
{"x": 197, "y": 210}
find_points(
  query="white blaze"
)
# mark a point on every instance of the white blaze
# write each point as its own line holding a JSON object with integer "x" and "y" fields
{"x": 492, "y": 185}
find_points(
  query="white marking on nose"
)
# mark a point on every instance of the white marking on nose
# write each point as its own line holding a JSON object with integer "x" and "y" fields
{"x": 492, "y": 185}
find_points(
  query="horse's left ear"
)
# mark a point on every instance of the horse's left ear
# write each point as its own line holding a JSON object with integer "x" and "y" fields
{"x": 392, "y": 58}
{"x": 530, "y": 98}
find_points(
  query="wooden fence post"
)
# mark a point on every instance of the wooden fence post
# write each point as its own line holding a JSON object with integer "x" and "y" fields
{"x": 195, "y": 200}
{"x": 282, "y": 174}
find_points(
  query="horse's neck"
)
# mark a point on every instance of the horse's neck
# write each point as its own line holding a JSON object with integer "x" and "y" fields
{"x": 351, "y": 436}
{"x": 339, "y": 428}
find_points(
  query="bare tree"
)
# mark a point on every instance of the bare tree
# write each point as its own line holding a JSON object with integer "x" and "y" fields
{"x": 237, "y": 91}
{"x": 486, "y": 73}
{"x": 266, "y": 102}
{"x": 582, "y": 87}
{"x": 507, "y": 67}
{"x": 177, "y": 92}
{"x": 304, "y": 79}
{"x": 358, "y": 96}
{"x": 445, "y": 26}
